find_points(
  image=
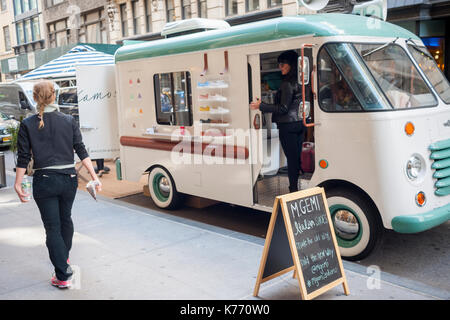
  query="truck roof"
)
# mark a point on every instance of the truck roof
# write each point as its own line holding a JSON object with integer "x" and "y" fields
{"x": 320, "y": 25}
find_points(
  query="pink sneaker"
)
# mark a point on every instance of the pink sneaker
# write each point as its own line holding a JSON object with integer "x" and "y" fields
{"x": 61, "y": 284}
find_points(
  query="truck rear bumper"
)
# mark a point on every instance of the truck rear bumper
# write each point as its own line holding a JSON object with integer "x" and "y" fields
{"x": 421, "y": 222}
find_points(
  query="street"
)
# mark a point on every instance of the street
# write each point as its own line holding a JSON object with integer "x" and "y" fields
{"x": 423, "y": 257}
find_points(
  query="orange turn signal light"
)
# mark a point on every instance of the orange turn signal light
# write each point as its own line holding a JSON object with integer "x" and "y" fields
{"x": 323, "y": 164}
{"x": 409, "y": 128}
{"x": 421, "y": 199}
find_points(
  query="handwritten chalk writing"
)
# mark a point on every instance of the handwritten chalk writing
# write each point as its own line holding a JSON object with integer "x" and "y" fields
{"x": 304, "y": 261}
{"x": 325, "y": 236}
{"x": 315, "y": 281}
{"x": 313, "y": 240}
{"x": 320, "y": 267}
{"x": 305, "y": 225}
{"x": 304, "y": 206}
{"x": 322, "y": 219}
{"x": 322, "y": 254}
{"x": 304, "y": 243}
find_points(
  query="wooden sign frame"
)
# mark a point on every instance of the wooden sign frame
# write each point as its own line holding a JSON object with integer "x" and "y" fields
{"x": 296, "y": 267}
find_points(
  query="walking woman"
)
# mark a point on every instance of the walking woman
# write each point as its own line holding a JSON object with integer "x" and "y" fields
{"x": 51, "y": 137}
{"x": 285, "y": 113}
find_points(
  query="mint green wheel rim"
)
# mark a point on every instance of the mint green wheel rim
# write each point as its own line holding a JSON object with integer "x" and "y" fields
{"x": 346, "y": 243}
{"x": 156, "y": 183}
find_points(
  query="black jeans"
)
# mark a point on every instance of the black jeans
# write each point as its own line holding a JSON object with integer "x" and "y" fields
{"x": 54, "y": 194}
{"x": 291, "y": 139}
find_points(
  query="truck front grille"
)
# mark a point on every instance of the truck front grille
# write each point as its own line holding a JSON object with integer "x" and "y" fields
{"x": 440, "y": 153}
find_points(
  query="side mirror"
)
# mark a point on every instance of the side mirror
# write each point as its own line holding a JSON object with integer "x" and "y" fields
{"x": 24, "y": 105}
{"x": 303, "y": 70}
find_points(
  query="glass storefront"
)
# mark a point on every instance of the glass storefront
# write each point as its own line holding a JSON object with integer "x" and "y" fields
{"x": 436, "y": 46}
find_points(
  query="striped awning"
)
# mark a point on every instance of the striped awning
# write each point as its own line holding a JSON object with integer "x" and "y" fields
{"x": 64, "y": 66}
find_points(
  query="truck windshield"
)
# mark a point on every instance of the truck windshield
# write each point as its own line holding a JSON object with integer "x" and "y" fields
{"x": 397, "y": 76}
{"x": 432, "y": 72}
{"x": 345, "y": 83}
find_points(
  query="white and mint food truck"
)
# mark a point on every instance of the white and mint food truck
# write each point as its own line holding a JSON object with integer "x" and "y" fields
{"x": 379, "y": 120}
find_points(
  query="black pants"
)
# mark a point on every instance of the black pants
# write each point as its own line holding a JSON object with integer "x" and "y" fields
{"x": 291, "y": 139}
{"x": 54, "y": 194}
{"x": 100, "y": 164}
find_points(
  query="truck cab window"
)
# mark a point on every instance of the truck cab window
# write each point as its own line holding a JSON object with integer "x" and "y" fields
{"x": 173, "y": 98}
{"x": 335, "y": 93}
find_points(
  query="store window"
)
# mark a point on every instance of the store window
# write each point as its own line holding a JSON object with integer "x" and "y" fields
{"x": 251, "y": 5}
{"x": 123, "y": 19}
{"x": 173, "y": 98}
{"x": 436, "y": 47}
{"x": 28, "y": 33}
{"x": 134, "y": 16}
{"x": 202, "y": 9}
{"x": 186, "y": 9}
{"x": 58, "y": 33}
{"x": 35, "y": 28}
{"x": 92, "y": 29}
{"x": 148, "y": 16}
{"x": 170, "y": 10}
{"x": 231, "y": 7}
{"x": 19, "y": 32}
{"x": 17, "y": 7}
{"x": 7, "y": 38}
{"x": 3, "y": 5}
{"x": 273, "y": 3}
{"x": 51, "y": 3}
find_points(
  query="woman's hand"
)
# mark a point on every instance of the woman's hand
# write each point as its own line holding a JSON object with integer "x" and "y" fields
{"x": 20, "y": 193}
{"x": 98, "y": 184}
{"x": 20, "y": 172}
{"x": 255, "y": 105}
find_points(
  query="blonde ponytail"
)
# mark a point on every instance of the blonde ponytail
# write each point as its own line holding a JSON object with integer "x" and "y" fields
{"x": 43, "y": 94}
{"x": 41, "y": 108}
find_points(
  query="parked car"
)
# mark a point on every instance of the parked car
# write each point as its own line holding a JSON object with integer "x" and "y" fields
{"x": 16, "y": 99}
{"x": 5, "y": 124}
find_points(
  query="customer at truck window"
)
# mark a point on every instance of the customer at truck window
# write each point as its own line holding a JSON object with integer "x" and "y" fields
{"x": 51, "y": 138}
{"x": 285, "y": 113}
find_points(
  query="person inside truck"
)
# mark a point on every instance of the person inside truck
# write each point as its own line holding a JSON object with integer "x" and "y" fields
{"x": 285, "y": 113}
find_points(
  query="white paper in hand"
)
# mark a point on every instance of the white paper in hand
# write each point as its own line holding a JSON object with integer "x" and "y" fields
{"x": 91, "y": 188}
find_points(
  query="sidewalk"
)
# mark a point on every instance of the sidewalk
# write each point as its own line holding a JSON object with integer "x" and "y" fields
{"x": 121, "y": 251}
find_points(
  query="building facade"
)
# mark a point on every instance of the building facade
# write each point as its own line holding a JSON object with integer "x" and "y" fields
{"x": 145, "y": 19}
{"x": 23, "y": 20}
{"x": 60, "y": 24}
{"x": 28, "y": 26}
{"x": 76, "y": 21}
{"x": 7, "y": 34}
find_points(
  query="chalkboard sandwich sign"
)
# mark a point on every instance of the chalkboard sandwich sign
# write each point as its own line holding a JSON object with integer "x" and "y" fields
{"x": 301, "y": 238}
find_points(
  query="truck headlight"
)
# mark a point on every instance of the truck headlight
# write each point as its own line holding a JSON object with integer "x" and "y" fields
{"x": 415, "y": 167}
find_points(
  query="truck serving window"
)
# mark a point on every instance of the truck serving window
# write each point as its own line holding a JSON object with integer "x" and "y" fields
{"x": 345, "y": 84}
{"x": 427, "y": 63}
{"x": 396, "y": 75}
{"x": 173, "y": 98}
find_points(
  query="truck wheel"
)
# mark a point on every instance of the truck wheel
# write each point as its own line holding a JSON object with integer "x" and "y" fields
{"x": 356, "y": 222}
{"x": 162, "y": 189}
